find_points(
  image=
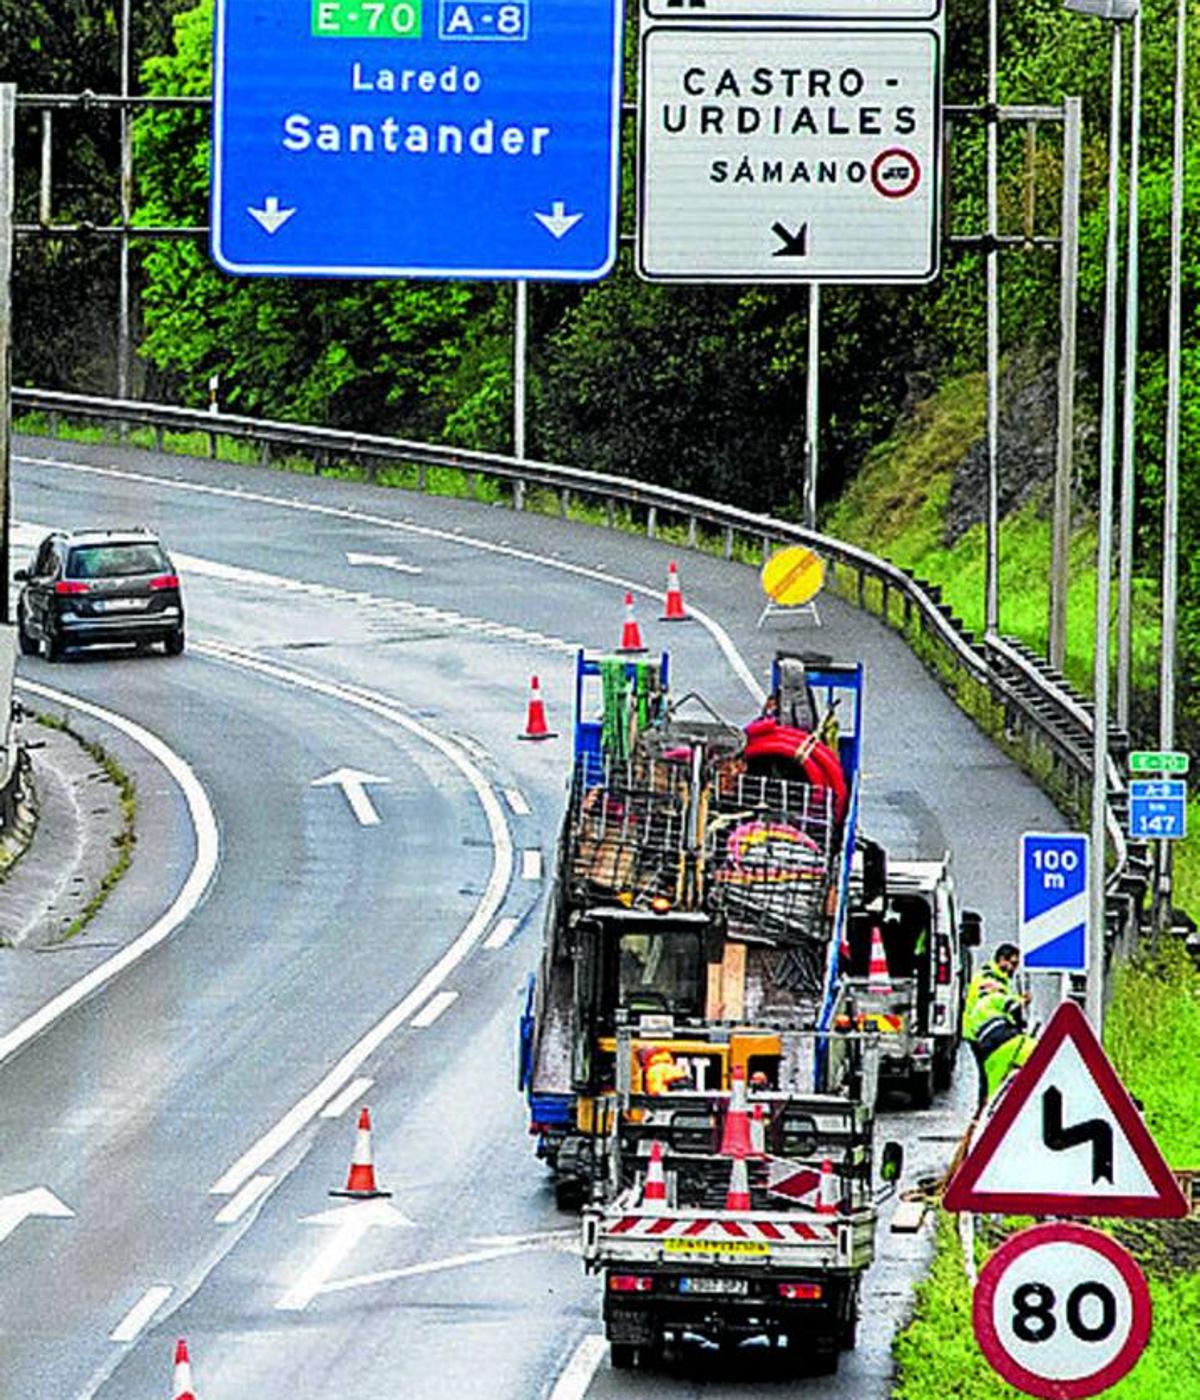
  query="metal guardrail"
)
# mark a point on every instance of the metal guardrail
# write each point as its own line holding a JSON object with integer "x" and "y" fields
{"x": 1039, "y": 716}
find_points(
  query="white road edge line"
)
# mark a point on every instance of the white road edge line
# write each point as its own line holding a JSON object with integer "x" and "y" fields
{"x": 711, "y": 626}
{"x": 141, "y": 1313}
{"x": 429, "y": 1266}
{"x": 516, "y": 800}
{"x": 208, "y": 850}
{"x": 499, "y": 936}
{"x": 576, "y": 1376}
{"x": 433, "y": 1008}
{"x": 336, "y": 1107}
{"x": 472, "y": 933}
{"x": 233, "y": 1210}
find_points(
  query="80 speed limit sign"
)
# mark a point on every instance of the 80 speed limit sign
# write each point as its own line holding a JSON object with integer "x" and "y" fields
{"x": 1061, "y": 1311}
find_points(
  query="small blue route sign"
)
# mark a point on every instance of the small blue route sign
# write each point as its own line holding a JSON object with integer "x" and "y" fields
{"x": 1158, "y": 809}
{"x": 1053, "y": 922}
{"x": 416, "y": 138}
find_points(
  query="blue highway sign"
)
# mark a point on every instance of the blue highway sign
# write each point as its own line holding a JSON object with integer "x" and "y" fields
{"x": 424, "y": 138}
{"x": 1158, "y": 809}
{"x": 1052, "y": 928}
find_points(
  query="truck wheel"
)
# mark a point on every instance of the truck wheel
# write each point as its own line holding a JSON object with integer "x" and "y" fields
{"x": 920, "y": 1088}
{"x": 568, "y": 1193}
{"x": 848, "y": 1333}
{"x": 623, "y": 1356}
{"x": 944, "y": 1058}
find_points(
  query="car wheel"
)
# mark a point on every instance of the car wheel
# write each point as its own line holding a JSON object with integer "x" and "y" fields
{"x": 27, "y": 643}
{"x": 51, "y": 645}
{"x": 173, "y": 642}
{"x": 623, "y": 1356}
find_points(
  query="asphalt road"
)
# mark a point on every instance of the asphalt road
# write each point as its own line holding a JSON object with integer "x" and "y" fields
{"x": 327, "y": 952}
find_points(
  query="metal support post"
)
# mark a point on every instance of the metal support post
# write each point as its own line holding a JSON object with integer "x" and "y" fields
{"x": 1129, "y": 403}
{"x": 8, "y": 112}
{"x": 1068, "y": 307}
{"x": 992, "y": 566}
{"x": 1108, "y": 407}
{"x": 812, "y": 419}
{"x": 1170, "y": 547}
{"x": 46, "y": 182}
{"x": 520, "y": 333}
{"x": 123, "y": 289}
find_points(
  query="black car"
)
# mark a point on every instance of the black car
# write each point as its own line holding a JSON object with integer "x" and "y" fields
{"x": 94, "y": 587}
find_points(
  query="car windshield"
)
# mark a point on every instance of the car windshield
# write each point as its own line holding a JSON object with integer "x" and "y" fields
{"x": 116, "y": 560}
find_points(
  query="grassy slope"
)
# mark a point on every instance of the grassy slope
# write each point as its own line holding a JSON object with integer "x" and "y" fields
{"x": 895, "y": 507}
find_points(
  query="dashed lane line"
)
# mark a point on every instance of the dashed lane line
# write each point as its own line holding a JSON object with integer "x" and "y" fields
{"x": 433, "y": 1009}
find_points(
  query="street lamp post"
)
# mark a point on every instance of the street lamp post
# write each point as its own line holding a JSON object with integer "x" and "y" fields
{"x": 1117, "y": 10}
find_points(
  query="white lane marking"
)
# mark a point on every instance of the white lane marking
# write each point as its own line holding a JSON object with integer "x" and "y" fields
{"x": 472, "y": 933}
{"x": 516, "y": 800}
{"x": 352, "y": 1092}
{"x": 576, "y": 1377}
{"x": 500, "y": 935}
{"x": 430, "y": 1266}
{"x": 432, "y": 1009}
{"x": 233, "y": 1210}
{"x": 383, "y": 561}
{"x": 349, "y": 1223}
{"x": 24, "y": 1205}
{"x": 352, "y": 782}
{"x": 141, "y": 1313}
{"x": 710, "y": 625}
{"x": 208, "y": 849}
{"x": 531, "y": 864}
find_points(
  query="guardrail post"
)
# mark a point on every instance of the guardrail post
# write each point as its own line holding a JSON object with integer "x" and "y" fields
{"x": 264, "y": 453}
{"x": 766, "y": 548}
{"x": 610, "y": 512}
{"x": 52, "y": 419}
{"x": 422, "y": 476}
{"x": 564, "y": 497}
{"x": 691, "y": 532}
{"x": 212, "y": 446}
{"x": 886, "y": 603}
{"x": 473, "y": 485}
{"x": 728, "y": 541}
{"x": 158, "y": 439}
{"x": 651, "y": 522}
{"x": 861, "y": 589}
{"x": 518, "y": 495}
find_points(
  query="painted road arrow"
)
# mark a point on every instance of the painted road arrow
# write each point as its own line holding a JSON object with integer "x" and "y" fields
{"x": 353, "y": 783}
{"x": 19, "y": 1207}
{"x": 558, "y": 221}
{"x": 350, "y": 1223}
{"x": 271, "y": 216}
{"x": 795, "y": 245}
{"x": 383, "y": 561}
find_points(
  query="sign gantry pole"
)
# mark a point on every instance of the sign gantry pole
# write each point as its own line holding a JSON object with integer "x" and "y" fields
{"x": 8, "y": 107}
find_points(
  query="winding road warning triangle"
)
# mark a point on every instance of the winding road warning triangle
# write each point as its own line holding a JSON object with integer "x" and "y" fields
{"x": 1066, "y": 1139}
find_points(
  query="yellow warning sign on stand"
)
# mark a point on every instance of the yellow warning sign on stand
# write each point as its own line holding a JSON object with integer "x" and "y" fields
{"x": 792, "y": 578}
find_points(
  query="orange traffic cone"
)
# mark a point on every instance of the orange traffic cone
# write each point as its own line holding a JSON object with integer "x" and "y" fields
{"x": 360, "y": 1184}
{"x": 182, "y": 1389}
{"x": 738, "y": 1195}
{"x": 829, "y": 1196}
{"x": 631, "y": 633}
{"x": 535, "y": 717}
{"x": 735, "y": 1135}
{"x": 654, "y": 1192}
{"x": 675, "y": 611}
{"x": 879, "y": 979}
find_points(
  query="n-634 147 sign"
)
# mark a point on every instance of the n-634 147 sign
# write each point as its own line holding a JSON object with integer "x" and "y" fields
{"x": 789, "y": 154}
{"x": 1062, "y": 1311}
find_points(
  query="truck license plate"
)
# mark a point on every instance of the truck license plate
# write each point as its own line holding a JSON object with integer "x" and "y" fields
{"x": 737, "y": 1286}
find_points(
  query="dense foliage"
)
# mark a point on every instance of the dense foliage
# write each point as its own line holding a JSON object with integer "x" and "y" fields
{"x": 700, "y": 386}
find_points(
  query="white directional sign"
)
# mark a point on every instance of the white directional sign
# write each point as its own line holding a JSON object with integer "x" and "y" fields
{"x": 1066, "y": 1139}
{"x": 1062, "y": 1311}
{"x": 789, "y": 154}
{"x": 1052, "y": 921}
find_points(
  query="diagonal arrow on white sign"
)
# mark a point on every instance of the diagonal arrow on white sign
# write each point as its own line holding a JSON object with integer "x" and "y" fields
{"x": 383, "y": 561}
{"x": 351, "y": 1223}
{"x": 22, "y": 1205}
{"x": 353, "y": 782}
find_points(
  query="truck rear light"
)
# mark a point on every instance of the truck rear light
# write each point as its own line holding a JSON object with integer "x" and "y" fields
{"x": 800, "y": 1292}
{"x": 164, "y": 581}
{"x": 629, "y": 1283}
{"x": 944, "y": 969}
{"x": 70, "y": 585}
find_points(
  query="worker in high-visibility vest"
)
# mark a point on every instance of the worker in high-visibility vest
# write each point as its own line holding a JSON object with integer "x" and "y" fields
{"x": 994, "y": 1020}
{"x": 661, "y": 1072}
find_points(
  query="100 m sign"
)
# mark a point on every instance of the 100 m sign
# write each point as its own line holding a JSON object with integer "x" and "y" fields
{"x": 366, "y": 19}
